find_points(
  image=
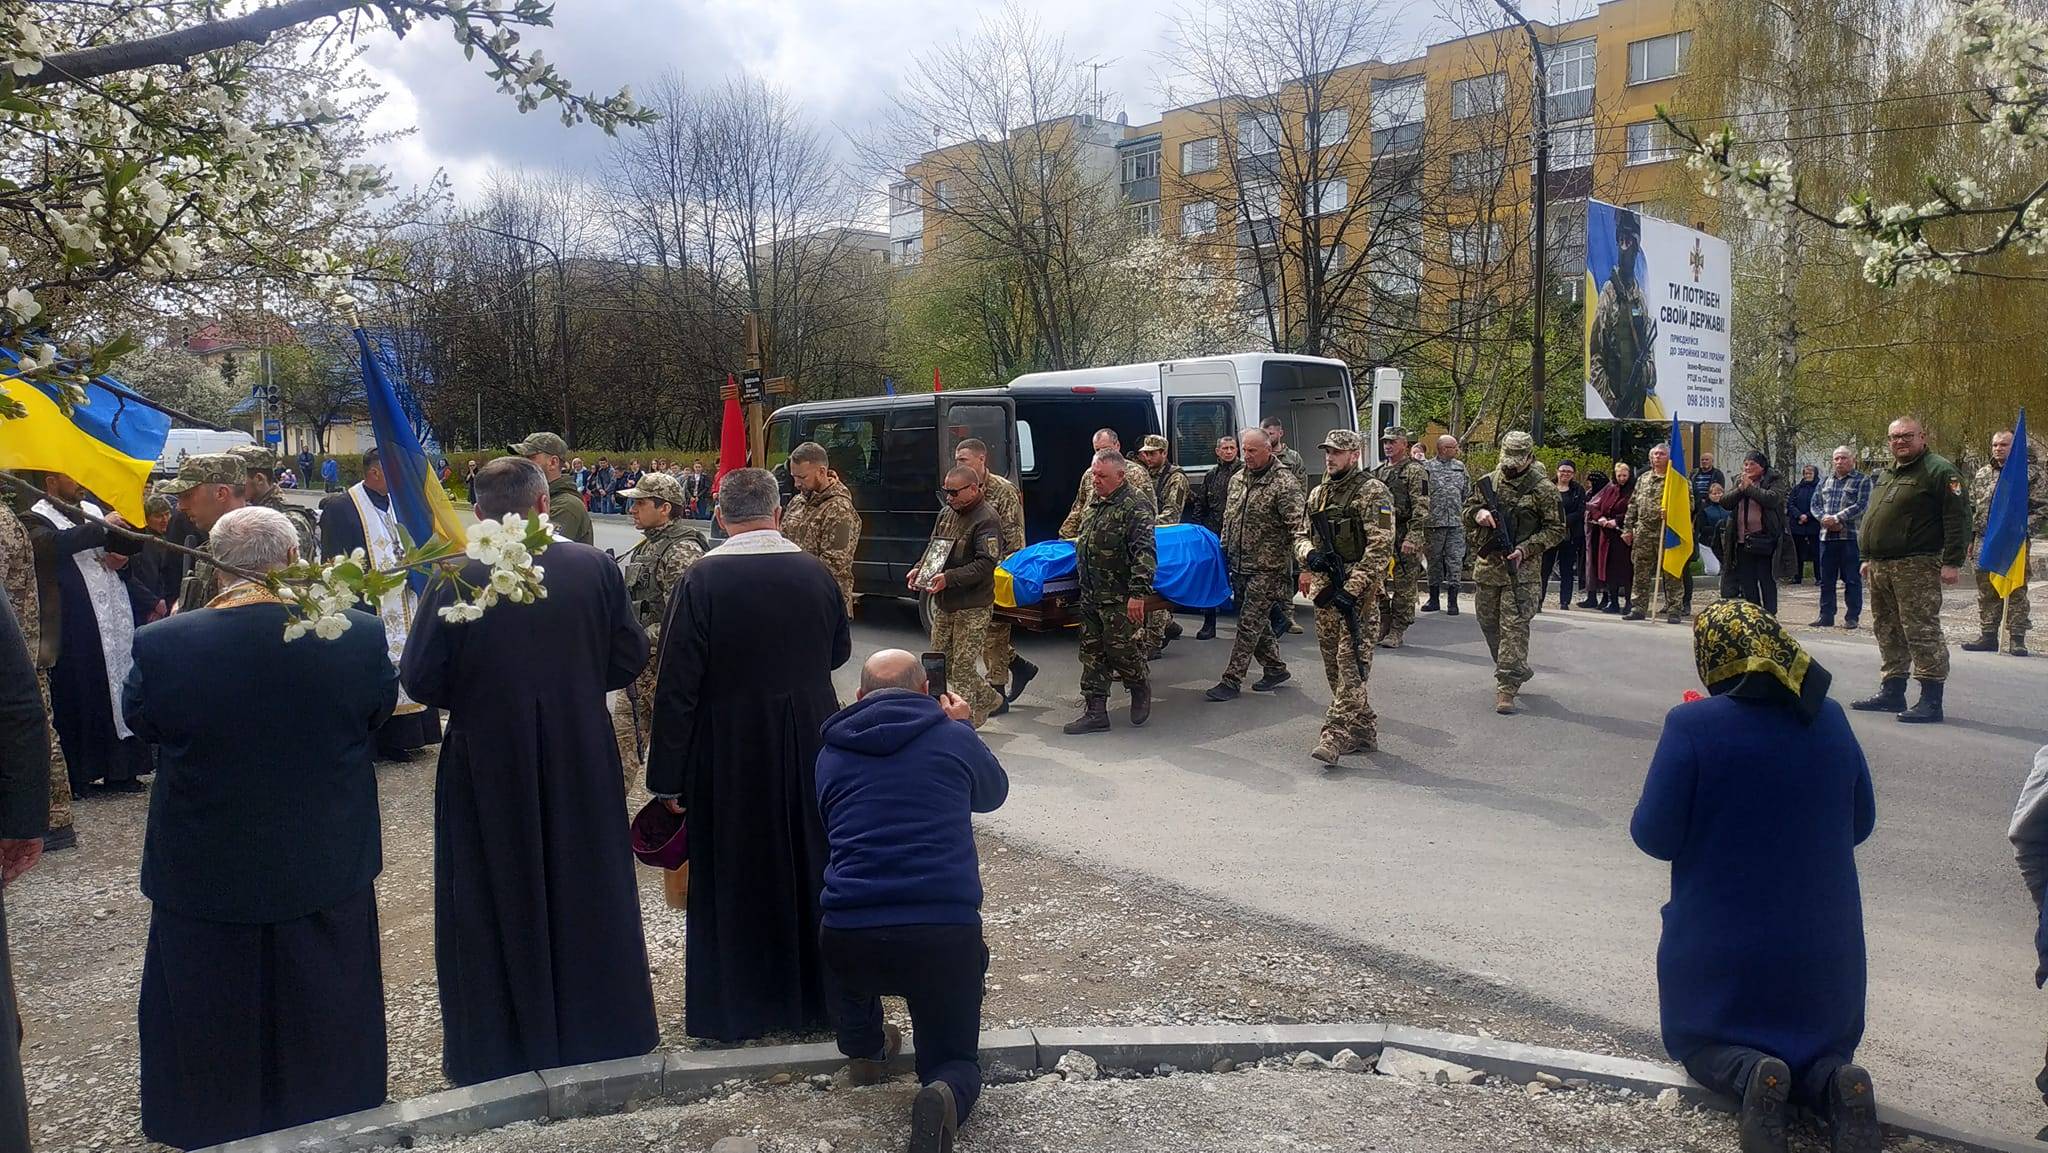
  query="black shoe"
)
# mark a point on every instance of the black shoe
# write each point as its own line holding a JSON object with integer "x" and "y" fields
{"x": 1852, "y": 1109}
{"x": 1635, "y": 615}
{"x": 1156, "y": 654}
{"x": 1611, "y": 608}
{"x": 1173, "y": 630}
{"x": 1021, "y": 672}
{"x": 58, "y": 840}
{"x": 1002, "y": 706}
{"x": 1589, "y": 603}
{"x": 1094, "y": 717}
{"x": 1431, "y": 605}
{"x": 1820, "y": 623}
{"x": 395, "y": 756}
{"x": 1223, "y": 691}
{"x": 1452, "y": 609}
{"x": 1764, "y": 1104}
{"x": 1271, "y": 681}
{"x": 1890, "y": 698}
{"x": 1141, "y": 704}
{"x": 1849, "y": 626}
{"x": 129, "y": 786}
{"x": 1926, "y": 710}
{"x": 1987, "y": 643}
{"x": 1208, "y": 632}
{"x": 2018, "y": 650}
{"x": 934, "y": 1119}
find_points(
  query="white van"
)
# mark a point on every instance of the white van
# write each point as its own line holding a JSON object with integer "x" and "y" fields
{"x": 1203, "y": 398}
{"x": 180, "y": 443}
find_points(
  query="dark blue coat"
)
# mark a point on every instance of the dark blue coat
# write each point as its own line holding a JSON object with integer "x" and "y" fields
{"x": 1760, "y": 817}
{"x": 265, "y": 802}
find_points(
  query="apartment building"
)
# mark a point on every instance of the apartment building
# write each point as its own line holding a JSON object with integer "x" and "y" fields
{"x": 1439, "y": 144}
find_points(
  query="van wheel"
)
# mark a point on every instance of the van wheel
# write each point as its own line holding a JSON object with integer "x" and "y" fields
{"x": 924, "y": 612}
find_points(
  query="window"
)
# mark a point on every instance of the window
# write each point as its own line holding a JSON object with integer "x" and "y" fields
{"x": 908, "y": 471}
{"x": 1478, "y": 95}
{"x": 1483, "y": 168}
{"x": 1258, "y": 134}
{"x": 1197, "y": 426}
{"x": 1198, "y": 219}
{"x": 1466, "y": 244}
{"x": 942, "y": 193}
{"x": 1330, "y": 196}
{"x": 1198, "y": 156}
{"x": 853, "y": 450}
{"x": 1570, "y": 67}
{"x": 1261, "y": 200}
{"x": 903, "y": 198}
{"x": 1395, "y": 263}
{"x": 1658, "y": 58}
{"x": 1650, "y": 142}
{"x": 987, "y": 423}
{"x": 1566, "y": 224}
{"x": 1397, "y": 117}
{"x": 1142, "y": 164}
{"x": 909, "y": 250}
{"x": 1571, "y": 145}
{"x": 1332, "y": 126}
{"x": 1145, "y": 218}
{"x": 1336, "y": 258}
{"x": 1027, "y": 455}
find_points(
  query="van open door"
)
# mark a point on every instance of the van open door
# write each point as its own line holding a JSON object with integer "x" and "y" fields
{"x": 989, "y": 419}
{"x": 1202, "y": 400}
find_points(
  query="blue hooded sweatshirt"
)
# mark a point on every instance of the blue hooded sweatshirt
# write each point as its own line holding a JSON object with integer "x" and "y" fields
{"x": 897, "y": 780}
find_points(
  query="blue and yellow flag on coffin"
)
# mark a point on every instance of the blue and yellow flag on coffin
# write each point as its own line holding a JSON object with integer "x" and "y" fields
{"x": 422, "y": 505}
{"x": 108, "y": 443}
{"x": 2002, "y": 558}
{"x": 1677, "y": 510}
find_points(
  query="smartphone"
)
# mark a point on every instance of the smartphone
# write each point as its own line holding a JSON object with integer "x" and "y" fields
{"x": 935, "y": 673}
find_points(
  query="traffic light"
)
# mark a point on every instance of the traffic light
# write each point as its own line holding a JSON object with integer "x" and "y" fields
{"x": 270, "y": 394}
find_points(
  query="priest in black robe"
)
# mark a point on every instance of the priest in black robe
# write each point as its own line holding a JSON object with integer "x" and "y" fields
{"x": 537, "y": 936}
{"x": 743, "y": 688}
{"x": 262, "y": 1001}
{"x": 413, "y": 725}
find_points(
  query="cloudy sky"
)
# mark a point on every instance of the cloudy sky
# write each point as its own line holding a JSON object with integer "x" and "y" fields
{"x": 842, "y": 58}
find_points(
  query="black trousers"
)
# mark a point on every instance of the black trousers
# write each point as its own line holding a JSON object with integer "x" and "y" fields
{"x": 13, "y": 1097}
{"x": 1565, "y": 559}
{"x": 1755, "y": 579}
{"x": 938, "y": 969}
{"x": 1725, "y": 1069}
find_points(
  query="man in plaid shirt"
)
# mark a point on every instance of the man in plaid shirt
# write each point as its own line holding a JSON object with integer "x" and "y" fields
{"x": 1839, "y": 503}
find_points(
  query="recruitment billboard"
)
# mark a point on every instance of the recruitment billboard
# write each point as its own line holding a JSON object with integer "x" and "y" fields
{"x": 1659, "y": 304}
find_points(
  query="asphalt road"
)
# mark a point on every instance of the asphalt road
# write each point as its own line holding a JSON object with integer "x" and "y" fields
{"x": 1498, "y": 847}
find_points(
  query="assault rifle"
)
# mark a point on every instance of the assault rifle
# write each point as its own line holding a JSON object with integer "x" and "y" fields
{"x": 1325, "y": 559}
{"x": 1499, "y": 542}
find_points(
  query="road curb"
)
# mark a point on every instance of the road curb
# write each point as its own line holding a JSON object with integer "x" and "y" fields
{"x": 1007, "y": 1055}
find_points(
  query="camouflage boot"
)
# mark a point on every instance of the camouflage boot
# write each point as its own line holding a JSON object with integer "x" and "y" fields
{"x": 1094, "y": 717}
{"x": 1326, "y": 750}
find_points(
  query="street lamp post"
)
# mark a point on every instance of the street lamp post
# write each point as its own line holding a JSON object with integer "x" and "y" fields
{"x": 1540, "y": 100}
{"x": 561, "y": 315}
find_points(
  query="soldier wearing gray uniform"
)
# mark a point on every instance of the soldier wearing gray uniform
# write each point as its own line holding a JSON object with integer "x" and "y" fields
{"x": 656, "y": 566}
{"x": 1351, "y": 532}
{"x": 1509, "y": 539}
{"x": 1115, "y": 559}
{"x": 1407, "y": 482}
{"x": 1444, "y": 538}
{"x": 1264, "y": 518}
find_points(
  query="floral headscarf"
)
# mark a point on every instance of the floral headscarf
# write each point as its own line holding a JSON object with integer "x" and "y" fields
{"x": 1742, "y": 650}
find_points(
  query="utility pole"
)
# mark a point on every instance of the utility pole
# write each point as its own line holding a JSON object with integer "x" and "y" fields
{"x": 1539, "y": 100}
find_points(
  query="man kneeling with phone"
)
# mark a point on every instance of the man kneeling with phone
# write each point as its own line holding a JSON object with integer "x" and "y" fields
{"x": 899, "y": 775}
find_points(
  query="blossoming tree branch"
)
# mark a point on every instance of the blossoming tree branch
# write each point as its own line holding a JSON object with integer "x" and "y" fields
{"x": 1960, "y": 224}
{"x": 161, "y": 154}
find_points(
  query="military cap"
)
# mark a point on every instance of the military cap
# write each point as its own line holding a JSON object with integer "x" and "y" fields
{"x": 541, "y": 442}
{"x": 156, "y": 504}
{"x": 1517, "y": 444}
{"x": 1342, "y": 440}
{"x": 1153, "y": 443}
{"x": 656, "y": 486}
{"x": 1394, "y": 432}
{"x": 206, "y": 468}
{"x": 255, "y": 458}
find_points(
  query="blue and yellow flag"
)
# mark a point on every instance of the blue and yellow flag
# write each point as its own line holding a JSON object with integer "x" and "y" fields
{"x": 108, "y": 443}
{"x": 2002, "y": 558}
{"x": 1677, "y": 510}
{"x": 422, "y": 505}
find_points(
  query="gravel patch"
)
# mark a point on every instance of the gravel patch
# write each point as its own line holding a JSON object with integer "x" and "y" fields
{"x": 1269, "y": 1107}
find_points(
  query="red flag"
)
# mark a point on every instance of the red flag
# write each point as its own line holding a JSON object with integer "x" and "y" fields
{"x": 935, "y": 378}
{"x": 732, "y": 435}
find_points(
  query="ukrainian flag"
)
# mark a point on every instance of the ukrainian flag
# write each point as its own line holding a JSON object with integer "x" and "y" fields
{"x": 1677, "y": 510}
{"x": 422, "y": 505}
{"x": 108, "y": 443}
{"x": 2002, "y": 557}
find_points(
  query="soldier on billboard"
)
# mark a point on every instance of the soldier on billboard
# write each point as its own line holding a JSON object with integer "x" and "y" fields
{"x": 1622, "y": 365}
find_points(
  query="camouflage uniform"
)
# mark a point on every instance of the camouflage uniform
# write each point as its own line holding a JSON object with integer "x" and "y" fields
{"x": 825, "y": 525}
{"x": 1992, "y": 609}
{"x": 1361, "y": 516}
{"x": 1170, "y": 495}
{"x": 1292, "y": 462}
{"x": 961, "y": 610}
{"x": 1407, "y": 482}
{"x": 193, "y": 471}
{"x": 1919, "y": 521}
{"x": 997, "y": 653}
{"x": 1260, "y": 525}
{"x": 1135, "y": 477}
{"x": 257, "y": 457}
{"x": 1508, "y": 597}
{"x": 1619, "y": 317}
{"x": 18, "y": 577}
{"x": 652, "y": 573}
{"x": 1645, "y": 519}
{"x": 1116, "y": 559}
